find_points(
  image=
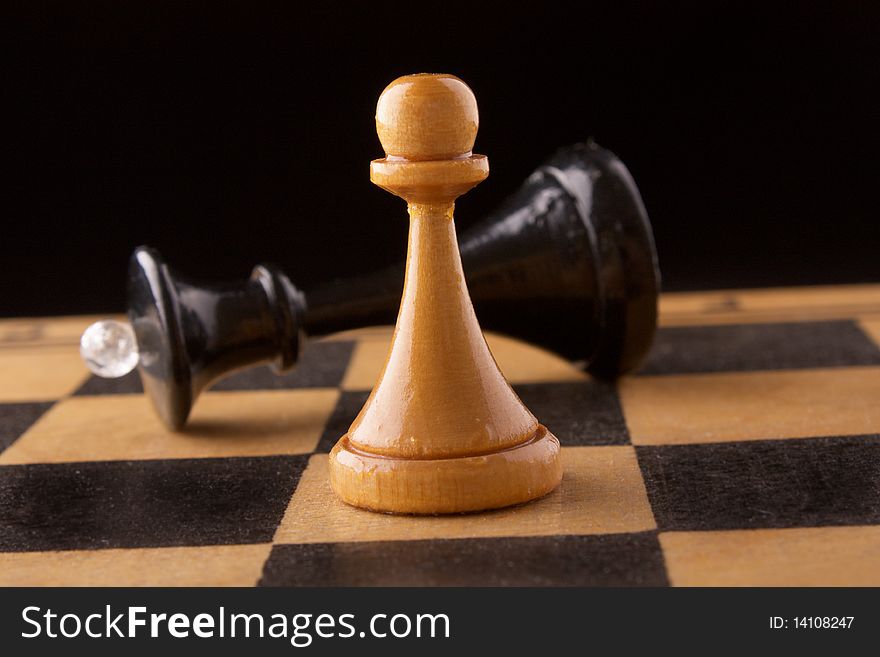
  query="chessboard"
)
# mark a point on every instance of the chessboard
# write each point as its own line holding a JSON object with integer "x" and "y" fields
{"x": 746, "y": 451}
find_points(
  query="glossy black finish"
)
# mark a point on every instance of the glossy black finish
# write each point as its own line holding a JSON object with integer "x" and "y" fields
{"x": 189, "y": 336}
{"x": 568, "y": 262}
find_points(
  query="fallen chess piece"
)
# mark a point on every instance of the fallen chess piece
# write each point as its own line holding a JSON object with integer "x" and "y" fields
{"x": 567, "y": 263}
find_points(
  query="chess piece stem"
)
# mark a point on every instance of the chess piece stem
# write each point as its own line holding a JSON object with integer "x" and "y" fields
{"x": 437, "y": 341}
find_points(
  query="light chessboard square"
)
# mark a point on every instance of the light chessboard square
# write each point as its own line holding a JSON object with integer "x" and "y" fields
{"x": 602, "y": 492}
{"x": 39, "y": 373}
{"x": 53, "y": 331}
{"x": 793, "y": 304}
{"x": 741, "y": 406}
{"x": 223, "y": 424}
{"x": 812, "y": 556}
{"x": 871, "y": 326}
{"x": 214, "y": 565}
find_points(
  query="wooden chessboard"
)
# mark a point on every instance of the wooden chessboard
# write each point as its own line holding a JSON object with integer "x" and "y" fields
{"x": 746, "y": 452}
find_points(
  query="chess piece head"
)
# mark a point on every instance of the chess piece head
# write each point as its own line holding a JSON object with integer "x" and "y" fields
{"x": 442, "y": 431}
{"x": 411, "y": 103}
{"x": 191, "y": 335}
{"x": 427, "y": 124}
{"x": 185, "y": 336}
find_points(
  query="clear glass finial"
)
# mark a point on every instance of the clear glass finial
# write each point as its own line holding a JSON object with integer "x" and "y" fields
{"x": 109, "y": 348}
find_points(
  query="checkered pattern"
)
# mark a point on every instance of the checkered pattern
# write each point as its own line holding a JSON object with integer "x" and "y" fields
{"x": 745, "y": 452}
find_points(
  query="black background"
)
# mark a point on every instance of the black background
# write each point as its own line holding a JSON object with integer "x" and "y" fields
{"x": 226, "y": 134}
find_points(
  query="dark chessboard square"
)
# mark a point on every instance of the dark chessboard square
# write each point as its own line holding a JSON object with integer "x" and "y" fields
{"x": 806, "y": 482}
{"x": 347, "y": 408}
{"x": 752, "y": 347}
{"x": 578, "y": 413}
{"x": 125, "y": 504}
{"x": 130, "y": 384}
{"x": 321, "y": 365}
{"x": 600, "y": 560}
{"x": 15, "y": 419}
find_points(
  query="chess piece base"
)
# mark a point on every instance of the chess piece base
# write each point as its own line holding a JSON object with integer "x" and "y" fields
{"x": 453, "y": 485}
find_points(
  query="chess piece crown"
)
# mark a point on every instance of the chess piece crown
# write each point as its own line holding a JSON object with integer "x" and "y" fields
{"x": 442, "y": 431}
